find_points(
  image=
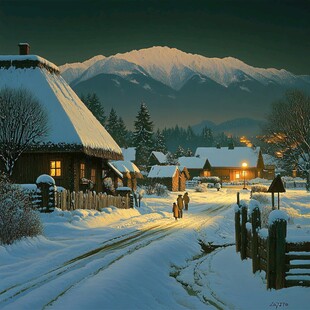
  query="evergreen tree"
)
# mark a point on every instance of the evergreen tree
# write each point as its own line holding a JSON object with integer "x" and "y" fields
{"x": 171, "y": 160}
{"x": 112, "y": 124}
{"x": 122, "y": 133}
{"x": 188, "y": 153}
{"x": 179, "y": 152}
{"x": 207, "y": 136}
{"x": 93, "y": 103}
{"x": 143, "y": 135}
{"x": 160, "y": 144}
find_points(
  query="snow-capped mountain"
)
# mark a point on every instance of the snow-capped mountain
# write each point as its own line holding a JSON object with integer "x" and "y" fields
{"x": 174, "y": 68}
{"x": 171, "y": 81}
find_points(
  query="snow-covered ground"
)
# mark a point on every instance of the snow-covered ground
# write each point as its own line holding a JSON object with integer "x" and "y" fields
{"x": 143, "y": 259}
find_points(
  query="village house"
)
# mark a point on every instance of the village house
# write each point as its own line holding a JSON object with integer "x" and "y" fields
{"x": 157, "y": 158}
{"x": 130, "y": 173}
{"x": 170, "y": 176}
{"x": 77, "y": 148}
{"x": 196, "y": 166}
{"x": 233, "y": 163}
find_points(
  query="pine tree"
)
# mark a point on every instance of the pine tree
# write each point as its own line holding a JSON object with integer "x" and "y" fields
{"x": 159, "y": 142}
{"x": 179, "y": 152}
{"x": 143, "y": 135}
{"x": 122, "y": 133}
{"x": 112, "y": 124}
{"x": 93, "y": 103}
{"x": 207, "y": 136}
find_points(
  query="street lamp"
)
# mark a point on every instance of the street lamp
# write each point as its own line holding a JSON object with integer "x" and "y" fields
{"x": 244, "y": 165}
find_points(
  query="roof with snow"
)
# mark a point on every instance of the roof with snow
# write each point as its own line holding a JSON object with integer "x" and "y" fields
{"x": 129, "y": 153}
{"x": 225, "y": 157}
{"x": 162, "y": 171}
{"x": 192, "y": 162}
{"x": 70, "y": 123}
{"x": 161, "y": 157}
{"x": 125, "y": 166}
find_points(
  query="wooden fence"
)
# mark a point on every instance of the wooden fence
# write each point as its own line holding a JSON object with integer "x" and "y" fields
{"x": 67, "y": 200}
{"x": 286, "y": 264}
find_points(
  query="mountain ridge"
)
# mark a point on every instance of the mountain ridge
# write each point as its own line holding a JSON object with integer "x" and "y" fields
{"x": 181, "y": 88}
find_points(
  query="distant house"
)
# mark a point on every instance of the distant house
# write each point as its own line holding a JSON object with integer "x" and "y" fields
{"x": 270, "y": 168}
{"x": 170, "y": 176}
{"x": 77, "y": 148}
{"x": 196, "y": 166}
{"x": 129, "y": 154}
{"x": 157, "y": 158}
{"x": 130, "y": 173}
{"x": 227, "y": 162}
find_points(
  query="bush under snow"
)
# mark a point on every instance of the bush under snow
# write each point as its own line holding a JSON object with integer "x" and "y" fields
{"x": 17, "y": 217}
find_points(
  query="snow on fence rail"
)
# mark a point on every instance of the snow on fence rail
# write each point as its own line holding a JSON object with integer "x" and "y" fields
{"x": 67, "y": 200}
{"x": 285, "y": 263}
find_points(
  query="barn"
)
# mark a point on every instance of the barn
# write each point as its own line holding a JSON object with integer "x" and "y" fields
{"x": 77, "y": 148}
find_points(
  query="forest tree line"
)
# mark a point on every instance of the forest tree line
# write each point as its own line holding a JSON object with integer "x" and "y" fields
{"x": 177, "y": 140}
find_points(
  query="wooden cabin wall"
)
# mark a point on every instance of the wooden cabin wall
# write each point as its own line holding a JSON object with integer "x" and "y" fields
{"x": 31, "y": 165}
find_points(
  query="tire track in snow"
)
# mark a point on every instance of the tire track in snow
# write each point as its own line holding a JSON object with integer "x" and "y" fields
{"x": 133, "y": 241}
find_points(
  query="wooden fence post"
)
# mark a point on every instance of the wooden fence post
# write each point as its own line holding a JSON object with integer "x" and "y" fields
{"x": 276, "y": 254}
{"x": 244, "y": 215}
{"x": 237, "y": 230}
{"x": 256, "y": 224}
{"x": 280, "y": 253}
{"x": 271, "y": 257}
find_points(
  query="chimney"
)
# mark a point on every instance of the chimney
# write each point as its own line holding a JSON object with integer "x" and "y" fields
{"x": 24, "y": 48}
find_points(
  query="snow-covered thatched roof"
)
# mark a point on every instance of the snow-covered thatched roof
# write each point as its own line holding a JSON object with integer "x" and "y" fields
{"x": 162, "y": 171}
{"x": 225, "y": 157}
{"x": 71, "y": 125}
{"x": 125, "y": 166}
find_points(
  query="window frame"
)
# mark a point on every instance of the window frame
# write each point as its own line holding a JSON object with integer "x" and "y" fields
{"x": 55, "y": 169}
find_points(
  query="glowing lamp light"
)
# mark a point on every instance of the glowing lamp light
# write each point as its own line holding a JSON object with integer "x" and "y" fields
{"x": 244, "y": 165}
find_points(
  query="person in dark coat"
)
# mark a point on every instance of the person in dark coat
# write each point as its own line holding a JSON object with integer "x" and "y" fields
{"x": 186, "y": 200}
{"x": 175, "y": 211}
{"x": 180, "y": 205}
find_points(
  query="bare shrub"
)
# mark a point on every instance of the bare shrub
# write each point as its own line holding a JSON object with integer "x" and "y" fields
{"x": 17, "y": 217}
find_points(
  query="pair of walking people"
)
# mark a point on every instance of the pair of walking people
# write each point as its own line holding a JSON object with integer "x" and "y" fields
{"x": 177, "y": 208}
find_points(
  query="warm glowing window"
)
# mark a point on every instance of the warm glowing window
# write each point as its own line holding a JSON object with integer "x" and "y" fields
{"x": 82, "y": 170}
{"x": 55, "y": 168}
{"x": 237, "y": 175}
{"x": 93, "y": 175}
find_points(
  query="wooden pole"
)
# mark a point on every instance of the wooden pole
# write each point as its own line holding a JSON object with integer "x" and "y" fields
{"x": 272, "y": 200}
{"x": 243, "y": 232}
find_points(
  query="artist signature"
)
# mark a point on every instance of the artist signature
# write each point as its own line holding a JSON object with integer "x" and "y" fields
{"x": 278, "y": 304}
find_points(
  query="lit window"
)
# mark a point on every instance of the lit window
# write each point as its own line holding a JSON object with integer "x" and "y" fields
{"x": 93, "y": 175}
{"x": 55, "y": 168}
{"x": 237, "y": 175}
{"x": 82, "y": 171}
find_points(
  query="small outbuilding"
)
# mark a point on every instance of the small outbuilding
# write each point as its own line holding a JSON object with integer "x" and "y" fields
{"x": 170, "y": 176}
{"x": 130, "y": 173}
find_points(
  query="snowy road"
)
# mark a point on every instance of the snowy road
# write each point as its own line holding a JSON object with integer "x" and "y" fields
{"x": 54, "y": 281}
{"x": 131, "y": 259}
